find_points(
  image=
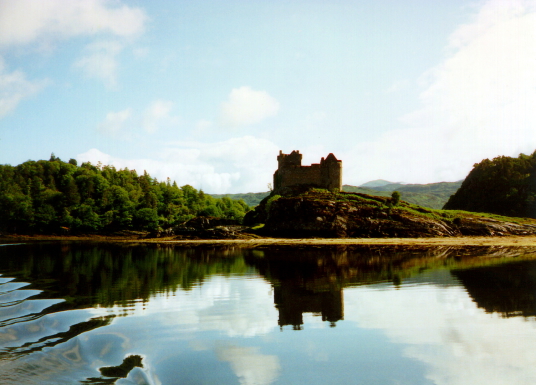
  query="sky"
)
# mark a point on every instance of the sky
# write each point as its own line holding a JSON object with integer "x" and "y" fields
{"x": 208, "y": 92}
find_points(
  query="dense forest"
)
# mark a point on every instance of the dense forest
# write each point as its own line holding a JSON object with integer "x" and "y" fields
{"x": 504, "y": 185}
{"x": 55, "y": 196}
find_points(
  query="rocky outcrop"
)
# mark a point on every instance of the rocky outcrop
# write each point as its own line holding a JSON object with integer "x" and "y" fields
{"x": 210, "y": 228}
{"x": 317, "y": 214}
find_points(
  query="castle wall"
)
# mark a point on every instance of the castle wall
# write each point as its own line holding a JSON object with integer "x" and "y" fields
{"x": 327, "y": 174}
{"x": 300, "y": 175}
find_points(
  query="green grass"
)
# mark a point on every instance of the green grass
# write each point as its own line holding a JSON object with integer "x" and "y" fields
{"x": 251, "y": 199}
{"x": 433, "y": 195}
{"x": 404, "y": 207}
{"x": 420, "y": 211}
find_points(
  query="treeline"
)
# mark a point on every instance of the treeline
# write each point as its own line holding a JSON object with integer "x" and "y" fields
{"x": 55, "y": 196}
{"x": 504, "y": 185}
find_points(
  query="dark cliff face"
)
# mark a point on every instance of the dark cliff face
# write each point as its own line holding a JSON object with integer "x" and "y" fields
{"x": 326, "y": 214}
{"x": 303, "y": 216}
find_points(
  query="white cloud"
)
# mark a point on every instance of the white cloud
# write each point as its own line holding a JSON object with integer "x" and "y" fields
{"x": 200, "y": 309}
{"x": 246, "y": 106}
{"x": 442, "y": 328}
{"x": 479, "y": 103}
{"x": 28, "y": 21}
{"x": 157, "y": 115}
{"x": 491, "y": 13}
{"x": 398, "y": 86}
{"x": 100, "y": 61}
{"x": 14, "y": 87}
{"x": 141, "y": 52}
{"x": 203, "y": 125}
{"x": 250, "y": 366}
{"x": 115, "y": 121}
{"x": 243, "y": 164}
{"x": 154, "y": 117}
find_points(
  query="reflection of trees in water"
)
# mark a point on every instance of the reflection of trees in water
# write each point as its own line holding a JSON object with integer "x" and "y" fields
{"x": 304, "y": 280}
{"x": 115, "y": 274}
{"x": 311, "y": 281}
{"x": 93, "y": 275}
{"x": 336, "y": 267}
{"x": 88, "y": 275}
{"x": 110, "y": 374}
{"x": 49, "y": 341}
{"x": 508, "y": 289}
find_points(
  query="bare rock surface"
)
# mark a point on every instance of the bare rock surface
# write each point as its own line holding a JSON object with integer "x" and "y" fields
{"x": 361, "y": 216}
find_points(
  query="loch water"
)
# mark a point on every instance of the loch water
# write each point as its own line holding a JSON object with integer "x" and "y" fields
{"x": 87, "y": 313}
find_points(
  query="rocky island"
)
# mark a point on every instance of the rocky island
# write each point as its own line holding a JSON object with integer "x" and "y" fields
{"x": 307, "y": 201}
{"x": 321, "y": 213}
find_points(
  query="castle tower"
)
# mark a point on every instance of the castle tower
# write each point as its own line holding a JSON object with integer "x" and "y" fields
{"x": 327, "y": 174}
{"x": 331, "y": 173}
{"x": 292, "y": 159}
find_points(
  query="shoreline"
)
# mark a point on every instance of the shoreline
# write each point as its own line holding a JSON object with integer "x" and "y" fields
{"x": 509, "y": 240}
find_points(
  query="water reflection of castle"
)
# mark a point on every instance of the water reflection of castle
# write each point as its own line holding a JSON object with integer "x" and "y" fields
{"x": 304, "y": 281}
{"x": 292, "y": 301}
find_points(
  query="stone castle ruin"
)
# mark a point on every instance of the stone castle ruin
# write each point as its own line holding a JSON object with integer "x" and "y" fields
{"x": 290, "y": 173}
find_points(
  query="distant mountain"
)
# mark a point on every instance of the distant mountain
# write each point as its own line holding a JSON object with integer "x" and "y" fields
{"x": 376, "y": 183}
{"x": 251, "y": 199}
{"x": 433, "y": 195}
{"x": 440, "y": 188}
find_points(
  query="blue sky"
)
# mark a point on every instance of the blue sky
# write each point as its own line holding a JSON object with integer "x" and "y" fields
{"x": 207, "y": 92}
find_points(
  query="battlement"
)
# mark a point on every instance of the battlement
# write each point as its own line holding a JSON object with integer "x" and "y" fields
{"x": 290, "y": 173}
{"x": 292, "y": 159}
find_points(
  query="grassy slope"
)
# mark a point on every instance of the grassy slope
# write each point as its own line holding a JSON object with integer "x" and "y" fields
{"x": 414, "y": 209}
{"x": 251, "y": 199}
{"x": 433, "y": 195}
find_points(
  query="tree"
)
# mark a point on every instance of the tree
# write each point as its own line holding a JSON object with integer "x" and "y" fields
{"x": 395, "y": 198}
{"x": 504, "y": 185}
{"x": 86, "y": 219}
{"x": 42, "y": 196}
{"x": 146, "y": 219}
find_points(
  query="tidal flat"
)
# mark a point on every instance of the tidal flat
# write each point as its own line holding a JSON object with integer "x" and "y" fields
{"x": 508, "y": 240}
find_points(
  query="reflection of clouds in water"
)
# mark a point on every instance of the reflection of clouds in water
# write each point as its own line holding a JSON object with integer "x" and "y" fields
{"x": 250, "y": 366}
{"x": 315, "y": 352}
{"x": 460, "y": 343}
{"x": 238, "y": 307}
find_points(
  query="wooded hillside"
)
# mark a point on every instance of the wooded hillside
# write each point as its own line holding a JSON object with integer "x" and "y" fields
{"x": 504, "y": 185}
{"x": 55, "y": 196}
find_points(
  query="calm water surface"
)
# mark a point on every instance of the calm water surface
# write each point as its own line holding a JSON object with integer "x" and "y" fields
{"x": 105, "y": 314}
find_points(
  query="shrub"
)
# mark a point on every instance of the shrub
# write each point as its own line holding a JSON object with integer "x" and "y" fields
{"x": 395, "y": 198}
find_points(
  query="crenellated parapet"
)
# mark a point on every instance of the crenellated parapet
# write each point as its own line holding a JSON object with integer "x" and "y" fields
{"x": 290, "y": 173}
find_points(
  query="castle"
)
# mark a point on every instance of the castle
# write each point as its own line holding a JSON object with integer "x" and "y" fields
{"x": 327, "y": 174}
